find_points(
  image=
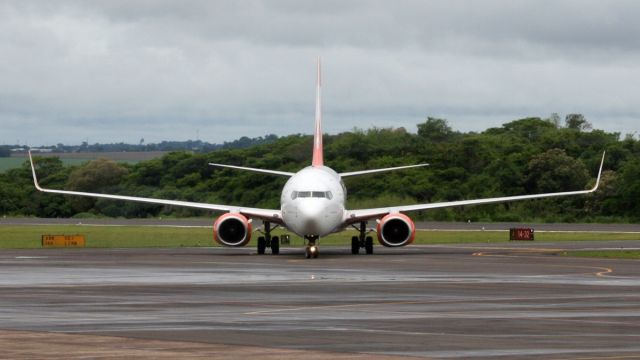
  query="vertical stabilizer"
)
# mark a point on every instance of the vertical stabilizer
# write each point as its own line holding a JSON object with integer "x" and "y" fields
{"x": 317, "y": 135}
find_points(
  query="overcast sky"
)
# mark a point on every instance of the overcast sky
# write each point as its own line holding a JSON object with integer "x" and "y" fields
{"x": 112, "y": 71}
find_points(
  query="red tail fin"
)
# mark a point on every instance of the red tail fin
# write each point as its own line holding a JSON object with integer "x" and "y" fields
{"x": 317, "y": 135}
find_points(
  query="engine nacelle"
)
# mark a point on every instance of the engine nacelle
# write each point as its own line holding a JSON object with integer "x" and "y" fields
{"x": 396, "y": 230}
{"x": 232, "y": 230}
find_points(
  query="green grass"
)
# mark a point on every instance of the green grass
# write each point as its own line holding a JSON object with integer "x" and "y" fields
{"x": 107, "y": 236}
{"x": 610, "y": 254}
{"x": 584, "y": 236}
{"x": 154, "y": 236}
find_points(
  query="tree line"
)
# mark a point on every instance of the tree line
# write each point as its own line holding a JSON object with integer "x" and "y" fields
{"x": 187, "y": 145}
{"x": 524, "y": 156}
{"x": 5, "y": 151}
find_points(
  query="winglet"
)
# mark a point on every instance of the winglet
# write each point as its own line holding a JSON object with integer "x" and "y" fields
{"x": 317, "y": 135}
{"x": 599, "y": 173}
{"x": 33, "y": 171}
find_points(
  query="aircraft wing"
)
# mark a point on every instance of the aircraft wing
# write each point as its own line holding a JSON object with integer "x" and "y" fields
{"x": 365, "y": 214}
{"x": 366, "y": 172}
{"x": 263, "y": 214}
{"x": 264, "y": 171}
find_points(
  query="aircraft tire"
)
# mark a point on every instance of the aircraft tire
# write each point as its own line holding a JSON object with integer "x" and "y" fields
{"x": 262, "y": 245}
{"x": 355, "y": 245}
{"x": 275, "y": 245}
{"x": 368, "y": 245}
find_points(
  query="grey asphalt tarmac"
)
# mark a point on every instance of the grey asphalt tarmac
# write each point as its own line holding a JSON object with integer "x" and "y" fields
{"x": 512, "y": 301}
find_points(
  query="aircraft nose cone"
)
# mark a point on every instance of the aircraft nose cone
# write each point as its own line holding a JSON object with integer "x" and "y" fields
{"x": 311, "y": 213}
{"x": 311, "y": 226}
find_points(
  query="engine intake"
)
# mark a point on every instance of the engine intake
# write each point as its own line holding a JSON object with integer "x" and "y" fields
{"x": 396, "y": 230}
{"x": 232, "y": 230}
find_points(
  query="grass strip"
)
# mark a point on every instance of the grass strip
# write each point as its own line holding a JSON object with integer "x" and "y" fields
{"x": 24, "y": 236}
{"x": 610, "y": 254}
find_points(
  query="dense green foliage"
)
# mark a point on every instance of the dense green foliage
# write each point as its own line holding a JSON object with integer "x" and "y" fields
{"x": 523, "y": 156}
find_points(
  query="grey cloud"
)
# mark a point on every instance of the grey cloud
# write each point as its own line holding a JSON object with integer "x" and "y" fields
{"x": 379, "y": 24}
{"x": 233, "y": 68}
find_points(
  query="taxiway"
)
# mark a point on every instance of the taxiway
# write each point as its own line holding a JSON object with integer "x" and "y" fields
{"x": 515, "y": 300}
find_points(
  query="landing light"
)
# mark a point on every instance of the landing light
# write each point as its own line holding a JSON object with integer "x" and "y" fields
{"x": 313, "y": 249}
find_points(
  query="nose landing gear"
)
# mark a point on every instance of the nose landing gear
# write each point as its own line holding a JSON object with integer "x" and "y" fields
{"x": 311, "y": 250}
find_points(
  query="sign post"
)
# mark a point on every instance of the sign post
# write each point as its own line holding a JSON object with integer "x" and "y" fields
{"x": 63, "y": 240}
{"x": 521, "y": 234}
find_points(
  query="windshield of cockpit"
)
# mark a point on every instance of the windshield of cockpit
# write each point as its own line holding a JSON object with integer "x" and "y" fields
{"x": 311, "y": 194}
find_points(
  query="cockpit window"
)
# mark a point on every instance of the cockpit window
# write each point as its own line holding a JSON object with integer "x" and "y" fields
{"x": 315, "y": 194}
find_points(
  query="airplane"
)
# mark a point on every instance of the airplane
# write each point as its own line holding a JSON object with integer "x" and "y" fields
{"x": 312, "y": 205}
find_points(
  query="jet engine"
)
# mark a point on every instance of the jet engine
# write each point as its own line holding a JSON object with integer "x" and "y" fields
{"x": 396, "y": 230}
{"x": 232, "y": 230}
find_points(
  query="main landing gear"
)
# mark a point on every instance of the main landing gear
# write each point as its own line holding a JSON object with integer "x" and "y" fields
{"x": 362, "y": 241}
{"x": 311, "y": 250}
{"x": 268, "y": 241}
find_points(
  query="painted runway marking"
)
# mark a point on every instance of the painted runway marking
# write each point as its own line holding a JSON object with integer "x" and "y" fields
{"x": 505, "y": 336}
{"x": 604, "y": 271}
{"x": 615, "y": 357}
{"x": 304, "y": 308}
{"x": 432, "y": 302}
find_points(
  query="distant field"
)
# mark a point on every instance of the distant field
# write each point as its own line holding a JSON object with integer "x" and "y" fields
{"x": 15, "y": 162}
{"x": 10, "y": 163}
{"x": 22, "y": 236}
{"x": 78, "y": 158}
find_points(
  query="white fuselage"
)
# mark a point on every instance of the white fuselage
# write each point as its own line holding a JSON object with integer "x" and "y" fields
{"x": 312, "y": 202}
